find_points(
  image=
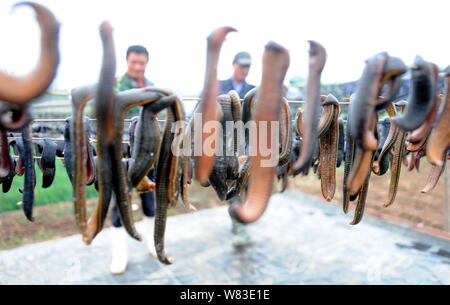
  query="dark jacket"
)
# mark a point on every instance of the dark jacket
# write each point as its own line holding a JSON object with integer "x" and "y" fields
{"x": 227, "y": 85}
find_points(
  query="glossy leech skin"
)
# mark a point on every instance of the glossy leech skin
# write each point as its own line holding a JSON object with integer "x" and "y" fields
{"x": 380, "y": 70}
{"x": 416, "y": 156}
{"x": 383, "y": 127}
{"x": 380, "y": 167}
{"x": 397, "y": 158}
{"x": 361, "y": 196}
{"x": 81, "y": 158}
{"x": 434, "y": 175}
{"x": 422, "y": 95}
{"x": 247, "y": 109}
{"x": 168, "y": 163}
{"x": 17, "y": 92}
{"x": 299, "y": 122}
{"x": 17, "y": 146}
{"x": 361, "y": 203}
{"x": 167, "y": 172}
{"x": 126, "y": 100}
{"x": 328, "y": 151}
{"x": 341, "y": 143}
{"x": 7, "y": 164}
{"x": 317, "y": 59}
{"x": 47, "y": 151}
{"x": 225, "y": 167}
{"x": 391, "y": 81}
{"x": 153, "y": 101}
{"x": 147, "y": 141}
{"x": 328, "y": 113}
{"x": 348, "y": 160}
{"x": 267, "y": 109}
{"x": 104, "y": 110}
{"x": 421, "y": 133}
{"x": 241, "y": 182}
{"x": 414, "y": 147}
{"x": 285, "y": 134}
{"x": 362, "y": 163}
{"x": 208, "y": 104}
{"x": 21, "y": 90}
{"x": 236, "y": 110}
{"x": 286, "y": 140}
{"x": 30, "y": 174}
{"x": 111, "y": 173}
{"x": 14, "y": 117}
{"x": 362, "y": 106}
{"x": 439, "y": 140}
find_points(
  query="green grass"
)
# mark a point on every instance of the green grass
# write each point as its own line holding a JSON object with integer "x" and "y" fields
{"x": 43, "y": 235}
{"x": 11, "y": 243}
{"x": 59, "y": 191}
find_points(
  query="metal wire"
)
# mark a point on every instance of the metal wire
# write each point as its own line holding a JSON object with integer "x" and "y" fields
{"x": 196, "y": 99}
{"x": 64, "y": 120}
{"x": 38, "y": 139}
{"x": 37, "y": 158}
{"x": 57, "y": 158}
{"x": 59, "y": 139}
{"x": 189, "y": 98}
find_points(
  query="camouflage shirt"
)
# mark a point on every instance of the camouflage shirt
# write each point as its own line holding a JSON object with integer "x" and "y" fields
{"x": 126, "y": 83}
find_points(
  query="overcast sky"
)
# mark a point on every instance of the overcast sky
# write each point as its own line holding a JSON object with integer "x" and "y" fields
{"x": 175, "y": 31}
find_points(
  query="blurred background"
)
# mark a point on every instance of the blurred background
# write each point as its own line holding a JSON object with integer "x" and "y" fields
{"x": 175, "y": 34}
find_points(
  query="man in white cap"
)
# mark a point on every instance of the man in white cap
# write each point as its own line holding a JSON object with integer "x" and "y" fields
{"x": 241, "y": 66}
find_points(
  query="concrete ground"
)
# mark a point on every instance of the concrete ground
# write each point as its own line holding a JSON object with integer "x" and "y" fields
{"x": 299, "y": 240}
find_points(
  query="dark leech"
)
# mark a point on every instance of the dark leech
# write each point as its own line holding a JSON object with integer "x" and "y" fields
{"x": 341, "y": 144}
{"x": 47, "y": 149}
{"x": 30, "y": 174}
{"x": 362, "y": 106}
{"x": 317, "y": 58}
{"x": 267, "y": 109}
{"x": 421, "y": 98}
{"x": 104, "y": 110}
{"x": 397, "y": 158}
{"x": 424, "y": 130}
{"x": 167, "y": 175}
{"x": 14, "y": 117}
{"x": 328, "y": 152}
{"x": 380, "y": 168}
{"x": 78, "y": 155}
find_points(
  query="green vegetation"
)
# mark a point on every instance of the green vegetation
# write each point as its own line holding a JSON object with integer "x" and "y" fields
{"x": 12, "y": 243}
{"x": 43, "y": 235}
{"x": 59, "y": 191}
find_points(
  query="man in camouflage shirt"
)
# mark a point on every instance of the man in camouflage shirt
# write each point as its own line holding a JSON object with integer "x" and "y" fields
{"x": 137, "y": 60}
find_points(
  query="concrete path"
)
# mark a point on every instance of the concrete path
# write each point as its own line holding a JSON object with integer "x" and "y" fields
{"x": 299, "y": 240}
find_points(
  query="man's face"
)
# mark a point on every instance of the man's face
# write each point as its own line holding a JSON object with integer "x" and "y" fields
{"x": 240, "y": 72}
{"x": 136, "y": 65}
